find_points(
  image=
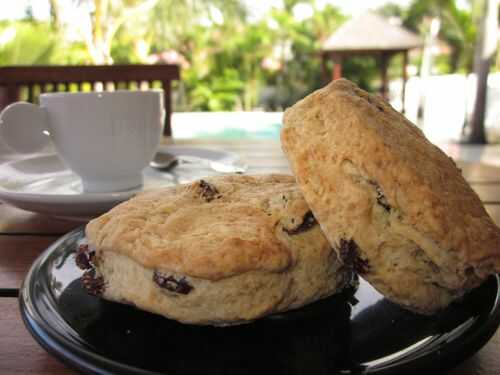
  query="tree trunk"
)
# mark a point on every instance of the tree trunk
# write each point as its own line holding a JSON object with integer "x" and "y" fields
{"x": 101, "y": 52}
{"x": 105, "y": 22}
{"x": 426, "y": 67}
{"x": 485, "y": 50}
{"x": 55, "y": 21}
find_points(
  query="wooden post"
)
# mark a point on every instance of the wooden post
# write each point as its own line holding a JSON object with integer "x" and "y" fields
{"x": 12, "y": 93}
{"x": 384, "y": 62}
{"x": 167, "y": 90}
{"x": 324, "y": 69}
{"x": 3, "y": 98}
{"x": 337, "y": 66}
{"x": 405, "y": 79}
{"x": 31, "y": 93}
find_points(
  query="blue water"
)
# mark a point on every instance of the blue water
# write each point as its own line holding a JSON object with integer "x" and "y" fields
{"x": 271, "y": 132}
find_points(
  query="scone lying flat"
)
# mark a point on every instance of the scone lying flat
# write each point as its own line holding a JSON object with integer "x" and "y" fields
{"x": 220, "y": 251}
{"x": 389, "y": 199}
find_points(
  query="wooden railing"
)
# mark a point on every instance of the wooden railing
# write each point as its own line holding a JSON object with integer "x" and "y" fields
{"x": 28, "y": 82}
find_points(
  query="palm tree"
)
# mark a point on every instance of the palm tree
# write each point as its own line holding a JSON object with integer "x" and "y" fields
{"x": 107, "y": 16}
{"x": 104, "y": 18}
{"x": 459, "y": 31}
{"x": 171, "y": 21}
{"x": 457, "y": 27}
{"x": 485, "y": 50}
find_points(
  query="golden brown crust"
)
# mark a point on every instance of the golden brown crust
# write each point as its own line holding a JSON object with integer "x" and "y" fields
{"x": 221, "y": 251}
{"x": 211, "y": 229}
{"x": 317, "y": 273}
{"x": 340, "y": 140}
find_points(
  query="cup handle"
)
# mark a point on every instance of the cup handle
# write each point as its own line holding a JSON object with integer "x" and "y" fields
{"x": 24, "y": 127}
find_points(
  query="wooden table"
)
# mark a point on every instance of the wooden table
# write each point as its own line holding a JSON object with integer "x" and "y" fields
{"x": 24, "y": 235}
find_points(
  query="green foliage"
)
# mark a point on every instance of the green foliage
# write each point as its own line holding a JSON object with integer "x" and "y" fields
{"x": 301, "y": 72}
{"x": 458, "y": 30}
{"x": 123, "y": 49}
{"x": 35, "y": 43}
{"x": 226, "y": 69}
{"x": 26, "y": 43}
{"x": 231, "y": 62}
{"x": 217, "y": 93}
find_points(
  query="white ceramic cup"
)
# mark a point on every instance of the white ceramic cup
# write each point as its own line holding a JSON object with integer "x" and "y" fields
{"x": 106, "y": 138}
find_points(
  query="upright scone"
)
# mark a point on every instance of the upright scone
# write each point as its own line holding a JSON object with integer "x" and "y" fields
{"x": 388, "y": 199}
{"x": 225, "y": 250}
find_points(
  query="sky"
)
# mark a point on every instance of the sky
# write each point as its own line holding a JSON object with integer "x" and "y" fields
{"x": 351, "y": 7}
{"x": 13, "y": 9}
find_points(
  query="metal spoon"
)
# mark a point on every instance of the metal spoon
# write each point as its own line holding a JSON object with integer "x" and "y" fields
{"x": 165, "y": 161}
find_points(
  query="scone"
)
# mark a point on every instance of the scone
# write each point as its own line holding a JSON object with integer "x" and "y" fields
{"x": 388, "y": 199}
{"x": 221, "y": 251}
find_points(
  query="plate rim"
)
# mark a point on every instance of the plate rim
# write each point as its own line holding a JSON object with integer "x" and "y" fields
{"x": 24, "y": 199}
{"x": 229, "y": 156}
{"x": 39, "y": 329}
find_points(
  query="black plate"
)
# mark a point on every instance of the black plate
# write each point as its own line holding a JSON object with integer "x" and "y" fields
{"x": 343, "y": 334}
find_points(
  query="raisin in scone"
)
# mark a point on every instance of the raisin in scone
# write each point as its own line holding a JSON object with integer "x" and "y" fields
{"x": 388, "y": 199}
{"x": 221, "y": 251}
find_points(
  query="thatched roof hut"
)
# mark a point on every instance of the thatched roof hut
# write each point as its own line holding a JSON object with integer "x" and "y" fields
{"x": 373, "y": 35}
{"x": 370, "y": 32}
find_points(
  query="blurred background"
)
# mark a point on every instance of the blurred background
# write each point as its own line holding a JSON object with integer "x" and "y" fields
{"x": 243, "y": 62}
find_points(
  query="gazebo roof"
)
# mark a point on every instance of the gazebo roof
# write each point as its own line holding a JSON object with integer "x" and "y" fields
{"x": 371, "y": 32}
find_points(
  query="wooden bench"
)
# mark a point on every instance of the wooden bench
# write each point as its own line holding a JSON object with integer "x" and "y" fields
{"x": 28, "y": 82}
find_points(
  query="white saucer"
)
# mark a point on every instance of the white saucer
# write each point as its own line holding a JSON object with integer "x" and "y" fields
{"x": 45, "y": 185}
